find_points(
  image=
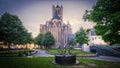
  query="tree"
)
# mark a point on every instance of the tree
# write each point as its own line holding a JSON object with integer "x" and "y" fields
{"x": 81, "y": 36}
{"x": 46, "y": 39}
{"x": 49, "y": 39}
{"x": 39, "y": 40}
{"x": 106, "y": 15}
{"x": 11, "y": 30}
{"x": 87, "y": 31}
{"x": 27, "y": 39}
{"x": 71, "y": 42}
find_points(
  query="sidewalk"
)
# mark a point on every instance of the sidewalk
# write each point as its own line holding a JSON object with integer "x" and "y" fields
{"x": 42, "y": 53}
{"x": 106, "y": 58}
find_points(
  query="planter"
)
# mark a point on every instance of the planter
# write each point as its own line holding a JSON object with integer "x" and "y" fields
{"x": 65, "y": 59}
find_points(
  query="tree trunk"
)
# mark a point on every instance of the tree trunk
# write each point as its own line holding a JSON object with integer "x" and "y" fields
{"x": 49, "y": 46}
{"x": 40, "y": 47}
{"x": 8, "y": 47}
{"x": 45, "y": 47}
{"x": 26, "y": 46}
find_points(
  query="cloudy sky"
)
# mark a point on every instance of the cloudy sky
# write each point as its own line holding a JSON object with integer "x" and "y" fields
{"x": 35, "y": 12}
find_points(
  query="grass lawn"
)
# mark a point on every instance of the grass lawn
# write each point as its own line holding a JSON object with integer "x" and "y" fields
{"x": 16, "y": 52}
{"x": 46, "y": 62}
{"x": 77, "y": 52}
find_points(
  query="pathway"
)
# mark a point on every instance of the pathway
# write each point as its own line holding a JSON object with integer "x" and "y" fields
{"x": 106, "y": 58}
{"x": 42, "y": 53}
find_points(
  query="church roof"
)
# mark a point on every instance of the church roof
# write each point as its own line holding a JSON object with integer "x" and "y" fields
{"x": 55, "y": 15}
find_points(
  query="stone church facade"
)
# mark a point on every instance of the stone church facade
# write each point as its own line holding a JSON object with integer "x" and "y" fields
{"x": 57, "y": 27}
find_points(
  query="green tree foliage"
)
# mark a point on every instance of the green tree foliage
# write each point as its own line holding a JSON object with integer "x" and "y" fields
{"x": 106, "y": 15}
{"x": 12, "y": 31}
{"x": 87, "y": 31}
{"x": 46, "y": 40}
{"x": 71, "y": 42}
{"x": 39, "y": 40}
{"x": 27, "y": 38}
{"x": 49, "y": 39}
{"x": 81, "y": 36}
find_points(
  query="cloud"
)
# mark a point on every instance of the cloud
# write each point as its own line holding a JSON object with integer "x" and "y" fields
{"x": 34, "y": 12}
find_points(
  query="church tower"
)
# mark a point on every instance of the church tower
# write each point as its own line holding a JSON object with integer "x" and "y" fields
{"x": 57, "y": 27}
{"x": 57, "y": 10}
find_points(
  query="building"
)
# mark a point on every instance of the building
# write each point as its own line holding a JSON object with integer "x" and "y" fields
{"x": 57, "y": 27}
{"x": 95, "y": 39}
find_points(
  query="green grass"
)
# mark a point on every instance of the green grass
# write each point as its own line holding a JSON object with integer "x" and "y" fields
{"x": 23, "y": 62}
{"x": 98, "y": 63}
{"x": 46, "y": 62}
{"x": 15, "y": 51}
{"x": 77, "y": 52}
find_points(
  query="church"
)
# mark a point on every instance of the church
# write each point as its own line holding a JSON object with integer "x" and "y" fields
{"x": 60, "y": 30}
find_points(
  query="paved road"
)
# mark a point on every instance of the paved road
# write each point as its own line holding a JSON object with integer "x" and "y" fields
{"x": 42, "y": 53}
{"x": 107, "y": 58}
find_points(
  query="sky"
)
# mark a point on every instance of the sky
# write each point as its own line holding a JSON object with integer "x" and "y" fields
{"x": 35, "y": 12}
